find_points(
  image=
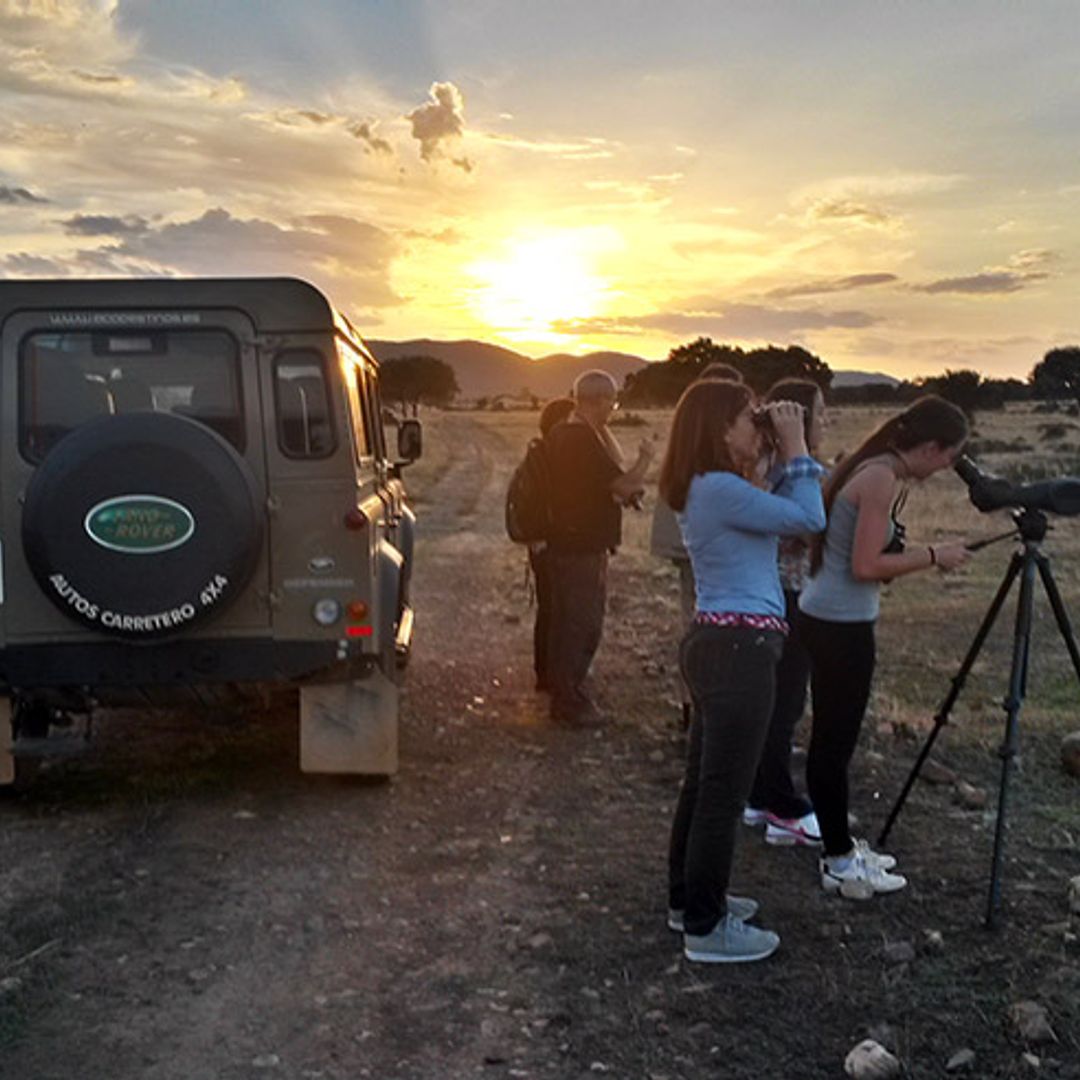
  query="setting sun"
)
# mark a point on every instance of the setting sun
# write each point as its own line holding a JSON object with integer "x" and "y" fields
{"x": 541, "y": 279}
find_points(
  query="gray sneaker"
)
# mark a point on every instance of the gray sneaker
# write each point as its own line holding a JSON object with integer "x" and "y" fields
{"x": 731, "y": 941}
{"x": 740, "y": 907}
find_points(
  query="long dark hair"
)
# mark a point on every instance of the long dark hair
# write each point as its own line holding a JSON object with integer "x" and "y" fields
{"x": 696, "y": 443}
{"x": 928, "y": 419}
{"x": 802, "y": 391}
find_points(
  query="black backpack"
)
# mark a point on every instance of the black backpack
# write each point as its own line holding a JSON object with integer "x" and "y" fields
{"x": 528, "y": 498}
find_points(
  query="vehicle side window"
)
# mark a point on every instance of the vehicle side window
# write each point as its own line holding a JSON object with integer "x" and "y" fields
{"x": 66, "y": 379}
{"x": 357, "y": 412}
{"x": 305, "y": 427}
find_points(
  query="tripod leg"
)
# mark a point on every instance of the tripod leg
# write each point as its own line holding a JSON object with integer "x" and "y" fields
{"x": 941, "y": 717}
{"x": 1060, "y": 613}
{"x": 1011, "y": 744}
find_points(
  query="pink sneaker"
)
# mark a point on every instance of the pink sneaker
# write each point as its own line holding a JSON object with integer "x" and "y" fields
{"x": 751, "y": 815}
{"x": 784, "y": 832}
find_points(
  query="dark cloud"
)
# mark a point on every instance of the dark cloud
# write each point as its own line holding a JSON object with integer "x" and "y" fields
{"x": 18, "y": 196}
{"x": 343, "y": 253}
{"x": 99, "y": 80}
{"x": 364, "y": 130}
{"x": 105, "y": 225}
{"x": 998, "y": 281}
{"x": 742, "y": 321}
{"x": 816, "y": 288}
{"x": 22, "y": 264}
{"x": 441, "y": 118}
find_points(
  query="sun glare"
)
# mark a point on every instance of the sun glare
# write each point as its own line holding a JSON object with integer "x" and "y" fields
{"x": 541, "y": 279}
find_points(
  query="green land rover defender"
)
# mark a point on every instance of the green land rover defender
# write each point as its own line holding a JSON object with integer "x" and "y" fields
{"x": 196, "y": 495}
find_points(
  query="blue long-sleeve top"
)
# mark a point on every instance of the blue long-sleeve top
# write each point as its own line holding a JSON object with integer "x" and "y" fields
{"x": 730, "y": 528}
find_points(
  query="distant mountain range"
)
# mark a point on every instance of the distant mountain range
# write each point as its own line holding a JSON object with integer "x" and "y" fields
{"x": 485, "y": 370}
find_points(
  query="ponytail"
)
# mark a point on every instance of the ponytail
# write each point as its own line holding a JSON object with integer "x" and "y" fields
{"x": 929, "y": 419}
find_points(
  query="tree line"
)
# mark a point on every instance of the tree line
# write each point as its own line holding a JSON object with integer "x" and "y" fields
{"x": 415, "y": 380}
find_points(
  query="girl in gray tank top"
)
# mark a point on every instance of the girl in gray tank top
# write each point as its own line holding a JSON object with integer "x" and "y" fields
{"x": 839, "y": 607}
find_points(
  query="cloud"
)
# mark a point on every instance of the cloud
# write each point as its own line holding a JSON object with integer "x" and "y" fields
{"x": 1022, "y": 267}
{"x": 740, "y": 321}
{"x": 884, "y": 186}
{"x": 1034, "y": 257}
{"x": 816, "y": 288}
{"x": 440, "y": 120}
{"x": 67, "y": 47}
{"x": 585, "y": 149}
{"x": 998, "y": 281}
{"x": 861, "y": 213}
{"x": 364, "y": 130}
{"x": 18, "y": 196}
{"x": 105, "y": 225}
{"x": 340, "y": 251}
{"x": 862, "y": 200}
{"x": 23, "y": 264}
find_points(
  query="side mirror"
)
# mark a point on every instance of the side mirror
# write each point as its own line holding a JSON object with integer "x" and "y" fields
{"x": 410, "y": 440}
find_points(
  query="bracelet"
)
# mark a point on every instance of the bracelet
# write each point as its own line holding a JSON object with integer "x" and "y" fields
{"x": 933, "y": 554}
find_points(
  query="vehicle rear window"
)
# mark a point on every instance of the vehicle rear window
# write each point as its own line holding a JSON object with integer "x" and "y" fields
{"x": 67, "y": 379}
{"x": 304, "y": 420}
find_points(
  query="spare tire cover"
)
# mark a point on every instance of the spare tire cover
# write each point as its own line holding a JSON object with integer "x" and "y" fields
{"x": 143, "y": 525}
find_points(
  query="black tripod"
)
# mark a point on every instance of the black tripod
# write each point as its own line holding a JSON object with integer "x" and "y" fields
{"x": 1031, "y": 529}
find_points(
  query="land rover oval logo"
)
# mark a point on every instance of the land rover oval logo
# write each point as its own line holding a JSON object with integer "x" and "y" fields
{"x": 139, "y": 524}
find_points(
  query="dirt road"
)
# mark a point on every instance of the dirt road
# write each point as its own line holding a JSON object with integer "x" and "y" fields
{"x": 181, "y": 904}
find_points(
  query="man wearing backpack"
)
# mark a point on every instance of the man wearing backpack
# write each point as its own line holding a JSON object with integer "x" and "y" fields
{"x": 588, "y": 488}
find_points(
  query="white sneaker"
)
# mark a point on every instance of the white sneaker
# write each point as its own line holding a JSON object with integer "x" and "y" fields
{"x": 860, "y": 879}
{"x": 787, "y": 831}
{"x": 886, "y": 862}
{"x": 753, "y": 816}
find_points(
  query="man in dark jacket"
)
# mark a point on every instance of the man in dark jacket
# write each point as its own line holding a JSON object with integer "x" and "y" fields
{"x": 589, "y": 486}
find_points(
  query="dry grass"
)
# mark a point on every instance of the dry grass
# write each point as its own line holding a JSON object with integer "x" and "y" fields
{"x": 928, "y": 620}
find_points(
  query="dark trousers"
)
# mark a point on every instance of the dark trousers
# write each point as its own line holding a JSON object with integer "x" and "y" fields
{"x": 841, "y": 671}
{"x": 730, "y": 672}
{"x": 578, "y": 593}
{"x": 773, "y": 789}
{"x": 538, "y": 560}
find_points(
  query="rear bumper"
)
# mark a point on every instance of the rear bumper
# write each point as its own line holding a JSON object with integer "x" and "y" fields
{"x": 88, "y": 665}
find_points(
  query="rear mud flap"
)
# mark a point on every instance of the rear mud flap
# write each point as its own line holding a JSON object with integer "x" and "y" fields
{"x": 350, "y": 727}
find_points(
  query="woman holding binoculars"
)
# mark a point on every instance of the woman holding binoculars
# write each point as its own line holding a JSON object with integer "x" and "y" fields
{"x": 728, "y": 657}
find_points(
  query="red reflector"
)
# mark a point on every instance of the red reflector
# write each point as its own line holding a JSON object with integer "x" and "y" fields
{"x": 358, "y": 631}
{"x": 354, "y": 519}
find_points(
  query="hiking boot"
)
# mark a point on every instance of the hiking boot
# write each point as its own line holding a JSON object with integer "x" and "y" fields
{"x": 739, "y": 907}
{"x": 731, "y": 941}
{"x": 860, "y": 879}
{"x": 751, "y": 815}
{"x": 787, "y": 831}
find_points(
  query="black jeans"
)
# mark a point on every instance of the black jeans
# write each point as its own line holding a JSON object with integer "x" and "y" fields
{"x": 773, "y": 789}
{"x": 730, "y": 672}
{"x": 841, "y": 670}
{"x": 539, "y": 561}
{"x": 578, "y": 594}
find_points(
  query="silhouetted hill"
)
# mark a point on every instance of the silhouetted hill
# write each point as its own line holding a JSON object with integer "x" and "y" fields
{"x": 485, "y": 370}
{"x": 861, "y": 378}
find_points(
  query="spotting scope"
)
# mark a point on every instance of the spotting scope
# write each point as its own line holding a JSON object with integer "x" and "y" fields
{"x": 988, "y": 492}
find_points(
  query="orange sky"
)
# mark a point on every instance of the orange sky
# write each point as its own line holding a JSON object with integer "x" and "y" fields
{"x": 892, "y": 186}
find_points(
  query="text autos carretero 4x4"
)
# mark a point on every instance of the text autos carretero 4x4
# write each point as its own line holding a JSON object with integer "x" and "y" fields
{"x": 195, "y": 493}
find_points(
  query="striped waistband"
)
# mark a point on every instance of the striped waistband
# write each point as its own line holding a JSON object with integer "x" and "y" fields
{"x": 742, "y": 618}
